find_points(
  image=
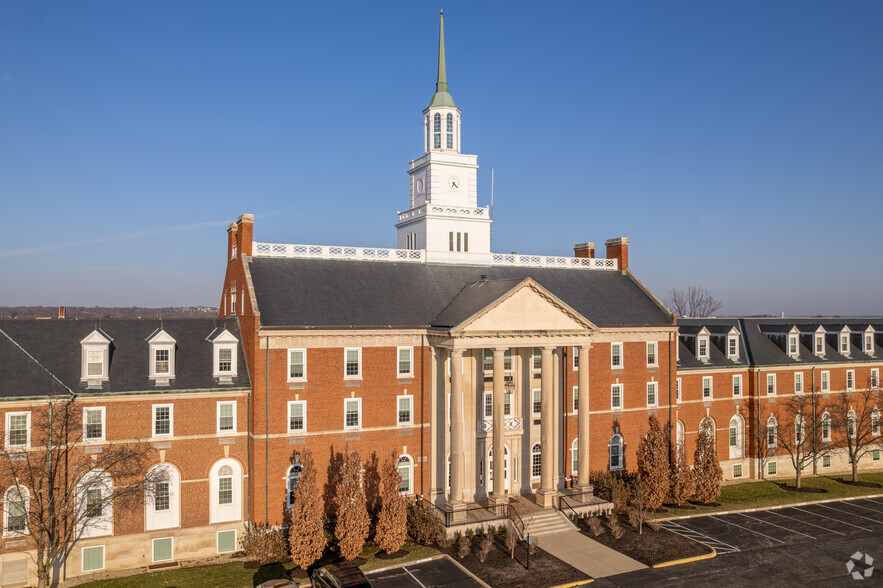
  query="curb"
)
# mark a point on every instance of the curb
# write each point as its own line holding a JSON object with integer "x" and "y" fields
{"x": 577, "y": 583}
{"x": 773, "y": 507}
{"x": 410, "y": 563}
{"x": 677, "y": 562}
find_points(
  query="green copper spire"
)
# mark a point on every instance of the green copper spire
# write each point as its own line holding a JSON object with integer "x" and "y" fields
{"x": 441, "y": 96}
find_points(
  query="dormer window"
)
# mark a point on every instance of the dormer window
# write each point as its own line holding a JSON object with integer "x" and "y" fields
{"x": 793, "y": 342}
{"x": 868, "y": 339}
{"x": 732, "y": 346}
{"x": 162, "y": 357}
{"x": 819, "y": 342}
{"x": 95, "y": 358}
{"x": 224, "y": 355}
{"x": 844, "y": 341}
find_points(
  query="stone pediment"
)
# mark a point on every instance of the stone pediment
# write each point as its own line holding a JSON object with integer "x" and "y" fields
{"x": 525, "y": 308}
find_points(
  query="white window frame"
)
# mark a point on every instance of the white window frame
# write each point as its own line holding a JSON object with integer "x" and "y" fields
{"x": 485, "y": 354}
{"x": 737, "y": 471}
{"x": 170, "y": 517}
{"x": 225, "y": 340}
{"x": 574, "y": 457}
{"x": 575, "y": 393}
{"x": 218, "y": 417}
{"x": 736, "y": 437}
{"x": 536, "y": 353}
{"x": 621, "y": 389}
{"x": 655, "y": 387}
{"x": 410, "y": 489}
{"x": 288, "y": 428}
{"x": 303, "y": 353}
{"x": 410, "y": 399}
{"x": 103, "y": 437}
{"x": 850, "y": 380}
{"x": 818, "y": 347}
{"x": 798, "y": 382}
{"x": 793, "y": 345}
{"x": 825, "y": 381}
{"x": 655, "y": 351}
{"x": 843, "y": 339}
{"x": 399, "y": 372}
{"x": 575, "y": 357}
{"x": 358, "y": 375}
{"x": 94, "y": 342}
{"x": 868, "y": 341}
{"x": 358, "y": 425}
{"x": 24, "y": 494}
{"x": 533, "y": 402}
{"x": 826, "y": 426}
{"x": 826, "y": 461}
{"x": 875, "y": 377}
{"x": 231, "y": 511}
{"x": 96, "y": 525}
{"x": 153, "y": 549}
{"x": 620, "y": 449}
{"x": 613, "y": 356}
{"x": 536, "y": 450}
{"x": 732, "y": 346}
{"x": 487, "y": 407}
{"x": 27, "y": 443}
{"x": 218, "y": 540}
{"x": 171, "y": 408}
{"x": 774, "y": 423}
{"x": 83, "y": 559}
{"x": 703, "y": 341}
{"x": 772, "y": 469}
{"x": 161, "y": 341}
{"x": 710, "y": 387}
{"x": 678, "y": 389}
{"x": 737, "y": 385}
{"x": 771, "y": 384}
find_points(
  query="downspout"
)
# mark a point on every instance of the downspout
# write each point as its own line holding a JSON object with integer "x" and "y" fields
{"x": 267, "y": 434}
{"x": 423, "y": 344}
{"x": 815, "y": 465}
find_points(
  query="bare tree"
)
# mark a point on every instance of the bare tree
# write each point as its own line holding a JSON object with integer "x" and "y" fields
{"x": 57, "y": 493}
{"x": 653, "y": 467}
{"x": 351, "y": 529}
{"x": 856, "y": 418}
{"x": 641, "y": 503}
{"x": 800, "y": 434}
{"x": 692, "y": 301}
{"x": 307, "y": 531}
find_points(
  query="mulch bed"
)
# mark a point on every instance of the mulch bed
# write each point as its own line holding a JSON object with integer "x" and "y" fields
{"x": 860, "y": 483}
{"x": 805, "y": 489}
{"x": 651, "y": 547}
{"x": 500, "y": 570}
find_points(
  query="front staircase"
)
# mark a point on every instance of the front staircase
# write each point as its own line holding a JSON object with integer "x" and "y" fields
{"x": 546, "y": 522}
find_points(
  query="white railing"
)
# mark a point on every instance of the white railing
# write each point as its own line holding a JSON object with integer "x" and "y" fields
{"x": 458, "y": 211}
{"x": 338, "y": 252}
{"x": 509, "y": 424}
{"x": 551, "y": 261}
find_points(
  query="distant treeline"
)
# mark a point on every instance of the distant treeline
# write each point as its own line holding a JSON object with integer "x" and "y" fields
{"x": 93, "y": 312}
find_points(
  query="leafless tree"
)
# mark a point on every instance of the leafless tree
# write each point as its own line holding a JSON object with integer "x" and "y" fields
{"x": 56, "y": 492}
{"x": 692, "y": 301}
{"x": 855, "y": 416}
{"x": 800, "y": 434}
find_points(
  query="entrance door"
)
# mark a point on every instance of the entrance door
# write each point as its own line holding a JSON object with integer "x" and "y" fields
{"x": 490, "y": 469}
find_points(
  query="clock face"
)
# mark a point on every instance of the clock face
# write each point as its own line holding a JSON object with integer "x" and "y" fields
{"x": 419, "y": 186}
{"x": 454, "y": 183}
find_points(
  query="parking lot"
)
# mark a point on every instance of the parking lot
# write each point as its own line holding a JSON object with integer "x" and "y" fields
{"x": 434, "y": 573}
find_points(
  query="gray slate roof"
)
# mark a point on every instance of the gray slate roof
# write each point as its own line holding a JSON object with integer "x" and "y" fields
{"x": 718, "y": 330}
{"x": 340, "y": 294}
{"x": 39, "y": 357}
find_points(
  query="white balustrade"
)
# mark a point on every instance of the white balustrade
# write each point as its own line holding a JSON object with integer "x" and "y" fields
{"x": 440, "y": 209}
{"x": 509, "y": 424}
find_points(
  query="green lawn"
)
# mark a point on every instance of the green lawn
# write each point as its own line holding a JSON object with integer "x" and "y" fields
{"x": 766, "y": 493}
{"x": 234, "y": 575}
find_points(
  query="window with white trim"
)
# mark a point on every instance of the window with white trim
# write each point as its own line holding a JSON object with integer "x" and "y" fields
{"x": 792, "y": 345}
{"x": 875, "y": 377}
{"x": 826, "y": 426}
{"x": 707, "y": 390}
{"x": 771, "y": 468}
{"x": 616, "y": 361}
{"x": 92, "y": 558}
{"x": 737, "y": 436}
{"x": 574, "y": 457}
{"x": 737, "y": 470}
{"x": 291, "y": 478}
{"x": 652, "y": 397}
{"x": 575, "y": 357}
{"x": 537, "y": 401}
{"x": 616, "y": 396}
{"x": 772, "y": 432}
{"x": 162, "y": 420}
{"x": 163, "y": 549}
{"x": 850, "y": 424}
{"x": 651, "y": 354}
{"x": 95, "y": 357}
{"x": 826, "y": 461}
{"x": 737, "y": 385}
{"x": 487, "y": 361}
{"x": 225, "y": 488}
{"x": 404, "y": 414}
{"x": 850, "y": 379}
{"x": 507, "y": 360}
{"x": 405, "y": 362}
{"x": 702, "y": 347}
{"x": 875, "y": 455}
{"x": 226, "y": 541}
{"x": 798, "y": 382}
{"x": 507, "y": 404}
{"x": 826, "y": 381}
{"x": 233, "y": 298}
{"x": 820, "y": 343}
{"x": 93, "y": 423}
{"x": 352, "y": 369}
{"x": 16, "y": 508}
{"x": 732, "y": 346}
{"x": 162, "y": 356}
{"x": 94, "y": 490}
{"x": 869, "y": 341}
{"x": 536, "y": 360}
{"x": 616, "y": 452}
{"x": 678, "y": 389}
{"x": 162, "y": 497}
{"x": 536, "y": 461}
{"x": 18, "y": 430}
{"x": 352, "y": 413}
{"x": 488, "y": 405}
{"x": 297, "y": 365}
{"x": 406, "y": 474}
{"x": 297, "y": 416}
{"x": 844, "y": 342}
{"x": 226, "y": 417}
{"x": 225, "y": 359}
{"x": 771, "y": 384}
{"x": 576, "y": 399}
{"x": 875, "y": 422}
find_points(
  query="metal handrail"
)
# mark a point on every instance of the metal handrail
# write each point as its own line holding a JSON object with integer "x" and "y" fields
{"x": 563, "y": 502}
{"x": 517, "y": 521}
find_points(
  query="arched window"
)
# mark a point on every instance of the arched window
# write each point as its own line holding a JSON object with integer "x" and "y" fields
{"x": 616, "y": 452}
{"x": 680, "y": 436}
{"x": 737, "y": 435}
{"x": 436, "y": 131}
{"x": 162, "y": 498}
{"x": 16, "y": 505}
{"x": 850, "y": 424}
{"x": 406, "y": 470}
{"x": 772, "y": 432}
{"x": 574, "y": 457}
{"x": 94, "y": 506}
{"x": 291, "y": 478}
{"x": 450, "y": 133}
{"x": 826, "y": 426}
{"x": 536, "y": 461}
{"x": 225, "y": 487}
{"x": 708, "y": 424}
{"x": 426, "y": 132}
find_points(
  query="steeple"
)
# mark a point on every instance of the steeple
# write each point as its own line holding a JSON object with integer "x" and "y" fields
{"x": 441, "y": 96}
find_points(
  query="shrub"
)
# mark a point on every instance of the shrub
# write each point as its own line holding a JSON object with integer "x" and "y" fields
{"x": 351, "y": 529}
{"x": 654, "y": 525}
{"x": 424, "y": 526}
{"x": 706, "y": 468}
{"x": 617, "y": 532}
{"x": 595, "y": 526}
{"x": 485, "y": 543}
{"x": 307, "y": 530}
{"x": 653, "y": 466}
{"x": 264, "y": 543}
{"x": 464, "y": 544}
{"x": 510, "y": 540}
{"x": 619, "y": 495}
{"x": 392, "y": 528}
{"x": 682, "y": 483}
{"x": 444, "y": 541}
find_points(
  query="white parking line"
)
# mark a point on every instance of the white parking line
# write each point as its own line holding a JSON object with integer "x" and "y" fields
{"x": 827, "y": 530}
{"x": 749, "y": 530}
{"x": 876, "y": 510}
{"x": 775, "y": 525}
{"x": 874, "y": 500}
{"x": 815, "y": 514}
{"x": 851, "y": 514}
{"x": 407, "y": 571}
{"x": 719, "y": 546}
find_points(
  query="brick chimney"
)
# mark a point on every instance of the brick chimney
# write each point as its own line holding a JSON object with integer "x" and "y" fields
{"x": 618, "y": 249}
{"x": 239, "y": 235}
{"x": 61, "y": 312}
{"x": 584, "y": 250}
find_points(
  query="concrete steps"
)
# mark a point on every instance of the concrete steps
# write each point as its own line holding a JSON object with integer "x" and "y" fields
{"x": 547, "y": 522}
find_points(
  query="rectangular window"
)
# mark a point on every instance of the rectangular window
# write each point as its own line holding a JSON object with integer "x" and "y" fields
{"x": 507, "y": 404}
{"x": 576, "y": 358}
{"x": 405, "y": 361}
{"x": 875, "y": 377}
{"x": 226, "y": 417}
{"x": 162, "y": 420}
{"x": 820, "y": 345}
{"x": 651, "y": 353}
{"x": 297, "y": 365}
{"x": 875, "y": 455}
{"x": 297, "y": 416}
{"x": 352, "y": 413}
{"x": 353, "y": 363}
{"x": 737, "y": 385}
{"x": 869, "y": 343}
{"x": 161, "y": 496}
{"x": 733, "y": 436}
{"x": 651, "y": 393}
{"x": 93, "y": 558}
{"x": 404, "y": 410}
{"x": 792, "y": 344}
{"x": 844, "y": 343}
{"x": 732, "y": 347}
{"x": 678, "y": 389}
{"x": 850, "y": 379}
{"x": 94, "y": 505}
{"x": 161, "y": 361}
{"x": 227, "y": 541}
{"x": 488, "y": 405}
{"x": 18, "y": 429}
{"x": 616, "y": 396}
{"x": 737, "y": 470}
{"x": 507, "y": 360}
{"x": 875, "y": 422}
{"x": 233, "y": 302}
{"x": 225, "y": 360}
{"x": 771, "y": 468}
{"x": 466, "y": 242}
{"x": 706, "y": 387}
{"x": 771, "y": 435}
{"x": 798, "y": 382}
{"x": 458, "y": 241}
{"x": 95, "y": 363}
{"x": 771, "y": 384}
{"x": 826, "y": 461}
{"x": 575, "y": 398}
{"x": 536, "y": 360}
{"x": 225, "y": 490}
{"x": 537, "y": 401}
{"x": 163, "y": 549}
{"x": 450, "y": 241}
{"x": 826, "y": 427}
{"x": 616, "y": 355}
{"x": 93, "y": 424}
{"x": 703, "y": 348}
{"x": 826, "y": 381}
{"x": 487, "y": 363}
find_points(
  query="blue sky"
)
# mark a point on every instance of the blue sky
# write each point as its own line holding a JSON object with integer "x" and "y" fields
{"x": 738, "y": 145}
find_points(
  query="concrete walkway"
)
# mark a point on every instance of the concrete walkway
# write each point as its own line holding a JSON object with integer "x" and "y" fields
{"x": 586, "y": 555}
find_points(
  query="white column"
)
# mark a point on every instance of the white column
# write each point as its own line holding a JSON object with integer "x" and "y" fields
{"x": 583, "y": 421}
{"x": 457, "y": 456}
{"x": 546, "y": 494}
{"x": 499, "y": 493}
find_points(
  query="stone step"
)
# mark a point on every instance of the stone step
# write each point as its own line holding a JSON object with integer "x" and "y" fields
{"x": 547, "y": 523}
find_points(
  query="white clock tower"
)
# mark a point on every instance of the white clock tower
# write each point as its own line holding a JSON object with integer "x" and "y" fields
{"x": 443, "y": 216}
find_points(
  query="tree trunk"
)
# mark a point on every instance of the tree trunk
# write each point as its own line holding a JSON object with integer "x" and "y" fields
{"x": 798, "y": 476}
{"x": 854, "y": 469}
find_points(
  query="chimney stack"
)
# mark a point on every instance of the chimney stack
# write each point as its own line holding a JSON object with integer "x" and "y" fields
{"x": 618, "y": 249}
{"x": 585, "y": 250}
{"x": 61, "y": 312}
{"x": 239, "y": 236}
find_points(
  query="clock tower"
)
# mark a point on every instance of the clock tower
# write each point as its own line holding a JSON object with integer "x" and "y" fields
{"x": 443, "y": 216}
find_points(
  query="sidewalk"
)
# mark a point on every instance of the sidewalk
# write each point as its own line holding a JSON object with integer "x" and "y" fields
{"x": 588, "y": 556}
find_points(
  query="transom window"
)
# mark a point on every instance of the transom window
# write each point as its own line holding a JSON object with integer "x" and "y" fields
{"x": 405, "y": 361}
{"x": 297, "y": 364}
{"x": 297, "y": 416}
{"x": 616, "y": 355}
{"x": 616, "y": 396}
{"x": 353, "y": 413}
{"x": 353, "y": 363}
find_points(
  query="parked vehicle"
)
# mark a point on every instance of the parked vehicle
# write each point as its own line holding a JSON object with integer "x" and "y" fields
{"x": 340, "y": 575}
